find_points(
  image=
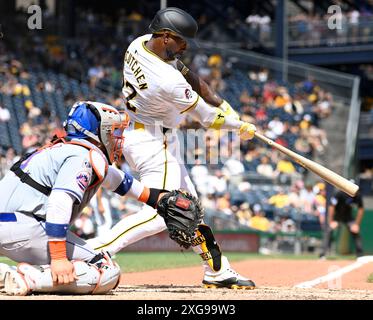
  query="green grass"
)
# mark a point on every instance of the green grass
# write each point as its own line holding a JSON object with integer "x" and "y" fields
{"x": 7, "y": 261}
{"x": 144, "y": 261}
{"x": 136, "y": 262}
{"x": 342, "y": 257}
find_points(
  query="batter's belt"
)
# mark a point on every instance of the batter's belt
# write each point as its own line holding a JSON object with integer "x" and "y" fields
{"x": 141, "y": 126}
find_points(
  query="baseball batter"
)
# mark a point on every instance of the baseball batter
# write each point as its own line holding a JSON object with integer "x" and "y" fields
{"x": 159, "y": 91}
{"x": 46, "y": 190}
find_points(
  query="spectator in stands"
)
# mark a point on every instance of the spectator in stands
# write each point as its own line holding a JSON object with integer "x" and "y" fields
{"x": 285, "y": 170}
{"x": 46, "y": 112}
{"x": 48, "y": 86}
{"x": 244, "y": 214}
{"x": 259, "y": 220}
{"x": 308, "y": 199}
{"x": 233, "y": 167}
{"x": 29, "y": 142}
{"x": 354, "y": 16}
{"x": 95, "y": 74}
{"x": 8, "y": 87}
{"x": 306, "y": 122}
{"x": 295, "y": 200}
{"x": 21, "y": 89}
{"x": 101, "y": 211}
{"x": 223, "y": 204}
{"x": 204, "y": 71}
{"x": 33, "y": 112}
{"x": 264, "y": 28}
{"x": 216, "y": 81}
{"x": 275, "y": 128}
{"x": 323, "y": 106}
{"x": 217, "y": 183}
{"x": 243, "y": 186}
{"x": 341, "y": 20}
{"x": 213, "y": 152}
{"x": 366, "y": 174}
{"x": 308, "y": 85}
{"x": 6, "y": 162}
{"x": 209, "y": 201}
{"x": 287, "y": 225}
{"x": 199, "y": 173}
{"x": 253, "y": 21}
{"x": 280, "y": 200}
{"x": 215, "y": 61}
{"x": 265, "y": 168}
{"x": 261, "y": 115}
{"x": 134, "y": 19}
{"x": 302, "y": 145}
{"x": 317, "y": 139}
{"x": 199, "y": 60}
{"x": 283, "y": 98}
{"x": 83, "y": 225}
{"x": 245, "y": 98}
{"x": 4, "y": 114}
{"x": 295, "y": 107}
{"x": 55, "y": 128}
{"x": 261, "y": 76}
{"x": 320, "y": 201}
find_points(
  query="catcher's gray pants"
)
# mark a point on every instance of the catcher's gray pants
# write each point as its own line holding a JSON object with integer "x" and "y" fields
{"x": 25, "y": 240}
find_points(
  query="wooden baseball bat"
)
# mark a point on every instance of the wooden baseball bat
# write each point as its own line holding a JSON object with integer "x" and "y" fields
{"x": 328, "y": 175}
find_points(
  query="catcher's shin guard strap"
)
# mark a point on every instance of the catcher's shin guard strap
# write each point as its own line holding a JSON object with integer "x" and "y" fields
{"x": 210, "y": 249}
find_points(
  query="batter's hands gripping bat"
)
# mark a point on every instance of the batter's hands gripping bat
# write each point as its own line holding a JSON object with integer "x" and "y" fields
{"x": 328, "y": 175}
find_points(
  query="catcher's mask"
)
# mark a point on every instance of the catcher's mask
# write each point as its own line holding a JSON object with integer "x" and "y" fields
{"x": 100, "y": 122}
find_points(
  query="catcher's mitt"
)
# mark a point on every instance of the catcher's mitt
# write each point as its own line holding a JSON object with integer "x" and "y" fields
{"x": 182, "y": 213}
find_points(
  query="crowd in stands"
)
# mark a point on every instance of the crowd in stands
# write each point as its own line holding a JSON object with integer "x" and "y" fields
{"x": 288, "y": 114}
{"x": 339, "y": 25}
{"x": 351, "y": 27}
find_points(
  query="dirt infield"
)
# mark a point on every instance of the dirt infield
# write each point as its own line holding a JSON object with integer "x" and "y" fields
{"x": 275, "y": 280}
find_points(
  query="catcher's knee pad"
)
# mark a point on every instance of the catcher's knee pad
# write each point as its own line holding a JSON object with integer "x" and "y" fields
{"x": 109, "y": 275}
{"x": 206, "y": 242}
{"x": 98, "y": 278}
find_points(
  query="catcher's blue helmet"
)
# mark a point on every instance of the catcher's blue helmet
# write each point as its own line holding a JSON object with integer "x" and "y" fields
{"x": 100, "y": 122}
{"x": 81, "y": 121}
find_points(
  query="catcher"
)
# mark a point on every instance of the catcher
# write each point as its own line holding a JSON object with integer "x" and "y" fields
{"x": 46, "y": 190}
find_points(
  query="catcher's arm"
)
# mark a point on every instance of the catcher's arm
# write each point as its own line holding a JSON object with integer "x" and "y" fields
{"x": 181, "y": 211}
{"x": 123, "y": 183}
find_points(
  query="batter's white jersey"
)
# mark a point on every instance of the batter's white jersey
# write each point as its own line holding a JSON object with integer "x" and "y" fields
{"x": 157, "y": 96}
{"x": 155, "y": 91}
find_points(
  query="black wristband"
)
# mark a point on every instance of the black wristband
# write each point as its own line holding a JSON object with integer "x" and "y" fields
{"x": 153, "y": 197}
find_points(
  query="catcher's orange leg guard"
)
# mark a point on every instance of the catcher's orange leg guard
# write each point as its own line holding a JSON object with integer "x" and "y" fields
{"x": 206, "y": 245}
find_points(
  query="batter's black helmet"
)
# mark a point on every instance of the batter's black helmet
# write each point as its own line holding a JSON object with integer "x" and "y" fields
{"x": 175, "y": 20}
